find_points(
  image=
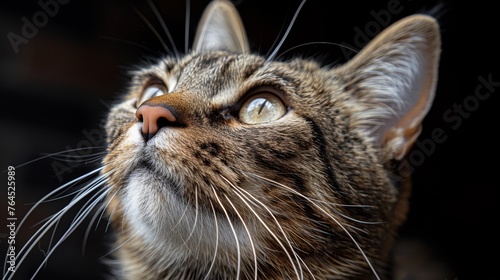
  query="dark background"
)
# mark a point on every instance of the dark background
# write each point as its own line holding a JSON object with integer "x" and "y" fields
{"x": 56, "y": 90}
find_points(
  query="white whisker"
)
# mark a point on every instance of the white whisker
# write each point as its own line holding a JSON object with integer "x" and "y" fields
{"x": 299, "y": 273}
{"x": 195, "y": 213}
{"x": 234, "y": 233}
{"x": 102, "y": 180}
{"x": 116, "y": 39}
{"x": 216, "y": 242}
{"x": 110, "y": 218}
{"x": 60, "y": 196}
{"x": 307, "y": 267}
{"x": 118, "y": 247}
{"x": 182, "y": 216}
{"x": 195, "y": 220}
{"x": 237, "y": 189}
{"x": 151, "y": 27}
{"x": 186, "y": 24}
{"x": 76, "y": 158}
{"x": 345, "y": 46}
{"x": 56, "y": 154}
{"x": 326, "y": 203}
{"x": 98, "y": 214}
{"x": 248, "y": 233}
{"x": 330, "y": 216}
{"x": 273, "y": 54}
{"x": 163, "y": 25}
{"x": 43, "y": 199}
{"x": 54, "y": 220}
{"x": 81, "y": 217}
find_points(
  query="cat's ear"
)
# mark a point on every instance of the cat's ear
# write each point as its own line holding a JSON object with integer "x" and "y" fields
{"x": 393, "y": 79}
{"x": 221, "y": 28}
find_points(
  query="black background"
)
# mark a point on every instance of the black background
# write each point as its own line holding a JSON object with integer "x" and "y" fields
{"x": 56, "y": 90}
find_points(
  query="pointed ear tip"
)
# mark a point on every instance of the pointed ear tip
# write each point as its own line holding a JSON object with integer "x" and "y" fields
{"x": 222, "y": 4}
{"x": 423, "y": 21}
{"x": 221, "y": 28}
{"x": 423, "y": 17}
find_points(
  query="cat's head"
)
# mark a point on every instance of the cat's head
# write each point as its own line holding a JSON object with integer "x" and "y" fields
{"x": 224, "y": 162}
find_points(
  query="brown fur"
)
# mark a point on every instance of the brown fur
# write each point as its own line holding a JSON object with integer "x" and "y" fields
{"x": 313, "y": 192}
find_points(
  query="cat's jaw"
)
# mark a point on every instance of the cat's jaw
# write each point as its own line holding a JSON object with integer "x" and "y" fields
{"x": 179, "y": 237}
{"x": 155, "y": 209}
{"x": 159, "y": 214}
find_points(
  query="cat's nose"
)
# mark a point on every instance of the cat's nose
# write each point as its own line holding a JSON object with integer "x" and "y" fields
{"x": 153, "y": 118}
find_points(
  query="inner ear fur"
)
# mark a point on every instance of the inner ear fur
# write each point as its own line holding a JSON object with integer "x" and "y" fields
{"x": 392, "y": 81}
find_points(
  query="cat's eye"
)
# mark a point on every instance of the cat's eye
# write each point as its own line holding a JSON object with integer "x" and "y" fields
{"x": 262, "y": 108}
{"x": 150, "y": 92}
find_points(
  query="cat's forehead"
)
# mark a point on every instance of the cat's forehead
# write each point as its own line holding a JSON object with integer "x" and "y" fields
{"x": 219, "y": 75}
{"x": 210, "y": 73}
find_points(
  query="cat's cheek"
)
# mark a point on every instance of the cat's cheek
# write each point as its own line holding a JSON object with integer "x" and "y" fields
{"x": 122, "y": 156}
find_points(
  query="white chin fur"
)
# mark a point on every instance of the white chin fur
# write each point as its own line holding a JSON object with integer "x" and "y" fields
{"x": 166, "y": 223}
{"x": 147, "y": 205}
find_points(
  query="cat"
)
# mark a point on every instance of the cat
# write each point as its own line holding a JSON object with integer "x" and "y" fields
{"x": 225, "y": 164}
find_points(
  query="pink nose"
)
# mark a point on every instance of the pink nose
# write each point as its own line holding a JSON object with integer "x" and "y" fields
{"x": 153, "y": 118}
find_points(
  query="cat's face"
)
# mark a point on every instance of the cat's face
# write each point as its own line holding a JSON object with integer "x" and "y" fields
{"x": 262, "y": 145}
{"x": 225, "y": 163}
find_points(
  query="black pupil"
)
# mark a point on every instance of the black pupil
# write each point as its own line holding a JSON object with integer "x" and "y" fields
{"x": 262, "y": 106}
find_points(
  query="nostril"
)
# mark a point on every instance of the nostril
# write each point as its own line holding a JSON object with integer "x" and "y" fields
{"x": 153, "y": 118}
{"x": 161, "y": 122}
{"x": 139, "y": 117}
